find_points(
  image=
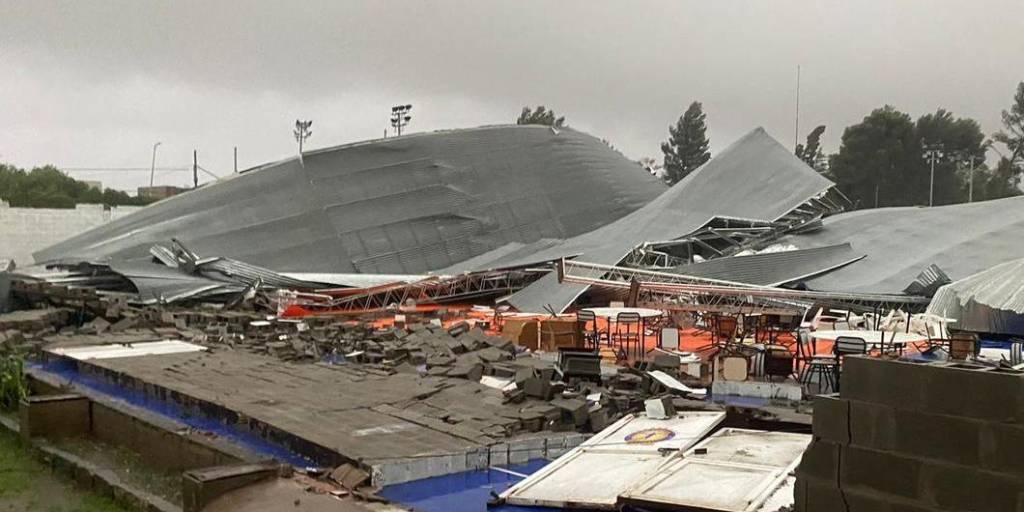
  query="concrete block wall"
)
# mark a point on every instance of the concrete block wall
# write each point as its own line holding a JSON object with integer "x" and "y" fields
{"x": 916, "y": 437}
{"x": 26, "y": 230}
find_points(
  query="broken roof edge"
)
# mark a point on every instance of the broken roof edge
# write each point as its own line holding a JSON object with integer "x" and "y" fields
{"x": 514, "y": 299}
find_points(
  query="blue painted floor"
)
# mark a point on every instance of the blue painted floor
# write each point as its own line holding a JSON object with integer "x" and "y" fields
{"x": 68, "y": 372}
{"x": 468, "y": 491}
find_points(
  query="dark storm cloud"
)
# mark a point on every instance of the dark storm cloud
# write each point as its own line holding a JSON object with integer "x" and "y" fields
{"x": 96, "y": 83}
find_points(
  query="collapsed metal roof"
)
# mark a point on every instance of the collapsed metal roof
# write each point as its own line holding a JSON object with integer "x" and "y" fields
{"x": 989, "y": 302}
{"x": 900, "y": 243}
{"x": 755, "y": 179}
{"x": 773, "y": 268}
{"x": 403, "y": 205}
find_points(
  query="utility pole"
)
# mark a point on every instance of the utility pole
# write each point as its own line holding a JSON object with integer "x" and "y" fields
{"x": 970, "y": 182}
{"x": 236, "y": 159}
{"x": 195, "y": 169}
{"x": 302, "y": 132}
{"x": 932, "y": 152}
{"x": 796, "y": 125}
{"x": 152, "y": 165}
{"x": 400, "y": 117}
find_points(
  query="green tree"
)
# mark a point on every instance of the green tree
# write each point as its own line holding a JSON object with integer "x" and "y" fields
{"x": 540, "y": 115}
{"x": 811, "y": 152}
{"x": 882, "y": 160}
{"x": 1003, "y": 181}
{"x": 873, "y": 157}
{"x": 1012, "y": 136}
{"x": 960, "y": 139}
{"x": 48, "y": 187}
{"x": 687, "y": 145}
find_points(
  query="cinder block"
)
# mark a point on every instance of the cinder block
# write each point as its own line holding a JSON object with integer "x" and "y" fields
{"x": 880, "y": 381}
{"x": 872, "y": 425}
{"x": 866, "y": 501}
{"x": 820, "y": 496}
{"x": 820, "y": 461}
{"x": 954, "y": 487}
{"x": 946, "y": 438}
{"x": 1001, "y": 448}
{"x": 832, "y": 419}
{"x": 883, "y": 472}
{"x": 982, "y": 395}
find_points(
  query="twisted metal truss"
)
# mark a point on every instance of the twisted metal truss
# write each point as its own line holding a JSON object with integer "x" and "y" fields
{"x": 433, "y": 290}
{"x": 725, "y": 237}
{"x": 675, "y": 291}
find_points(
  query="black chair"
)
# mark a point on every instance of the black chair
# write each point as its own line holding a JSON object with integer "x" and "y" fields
{"x": 586, "y": 323}
{"x": 847, "y": 346}
{"x": 628, "y": 332}
{"x": 812, "y": 365}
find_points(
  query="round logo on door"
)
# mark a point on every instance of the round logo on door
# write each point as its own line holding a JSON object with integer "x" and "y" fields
{"x": 650, "y": 435}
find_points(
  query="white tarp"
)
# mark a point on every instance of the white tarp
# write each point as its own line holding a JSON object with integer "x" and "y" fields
{"x": 615, "y": 459}
{"x": 734, "y": 470}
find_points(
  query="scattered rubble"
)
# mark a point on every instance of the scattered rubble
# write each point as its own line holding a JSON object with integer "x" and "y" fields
{"x": 573, "y": 393}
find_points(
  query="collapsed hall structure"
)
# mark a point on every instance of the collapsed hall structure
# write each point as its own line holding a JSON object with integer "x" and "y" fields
{"x": 522, "y": 315}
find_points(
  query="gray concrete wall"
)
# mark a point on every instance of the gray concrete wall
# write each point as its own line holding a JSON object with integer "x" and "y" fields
{"x": 25, "y": 230}
{"x": 916, "y": 437}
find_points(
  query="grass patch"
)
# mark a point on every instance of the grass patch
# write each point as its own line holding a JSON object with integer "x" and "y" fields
{"x": 26, "y": 484}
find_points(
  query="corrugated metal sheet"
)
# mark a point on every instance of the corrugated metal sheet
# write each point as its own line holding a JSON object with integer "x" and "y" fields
{"x": 404, "y": 205}
{"x": 775, "y": 268}
{"x": 989, "y": 302}
{"x": 755, "y": 178}
{"x": 900, "y": 243}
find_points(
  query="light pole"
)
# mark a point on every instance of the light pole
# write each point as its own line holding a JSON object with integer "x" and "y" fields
{"x": 302, "y": 132}
{"x": 400, "y": 117}
{"x": 152, "y": 165}
{"x": 932, "y": 152}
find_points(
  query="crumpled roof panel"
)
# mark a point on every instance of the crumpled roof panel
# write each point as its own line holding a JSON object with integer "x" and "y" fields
{"x": 772, "y": 268}
{"x": 991, "y": 301}
{"x": 756, "y": 178}
{"x": 404, "y": 205}
{"x": 961, "y": 239}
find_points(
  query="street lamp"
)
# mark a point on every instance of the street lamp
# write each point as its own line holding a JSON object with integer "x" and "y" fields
{"x": 971, "y": 160}
{"x": 400, "y": 117}
{"x": 302, "y": 132}
{"x": 932, "y": 152}
{"x": 152, "y": 165}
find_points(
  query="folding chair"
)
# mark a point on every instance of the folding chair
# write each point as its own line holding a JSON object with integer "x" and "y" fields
{"x": 725, "y": 329}
{"x": 847, "y": 346}
{"x": 628, "y": 331}
{"x": 586, "y": 323}
{"x": 963, "y": 345}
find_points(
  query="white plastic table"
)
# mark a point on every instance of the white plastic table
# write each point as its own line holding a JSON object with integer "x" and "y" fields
{"x": 874, "y": 339}
{"x": 613, "y": 313}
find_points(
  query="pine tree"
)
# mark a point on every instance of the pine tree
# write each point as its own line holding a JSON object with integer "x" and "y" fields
{"x": 540, "y": 116}
{"x": 1013, "y": 122}
{"x": 687, "y": 146}
{"x": 811, "y": 152}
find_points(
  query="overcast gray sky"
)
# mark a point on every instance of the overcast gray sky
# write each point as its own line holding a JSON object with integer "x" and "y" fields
{"x": 95, "y": 84}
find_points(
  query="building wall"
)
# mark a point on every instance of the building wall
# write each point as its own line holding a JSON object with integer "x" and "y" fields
{"x": 25, "y": 230}
{"x": 916, "y": 437}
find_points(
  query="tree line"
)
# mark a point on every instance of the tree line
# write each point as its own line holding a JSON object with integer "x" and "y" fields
{"x": 884, "y": 160}
{"x": 48, "y": 187}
